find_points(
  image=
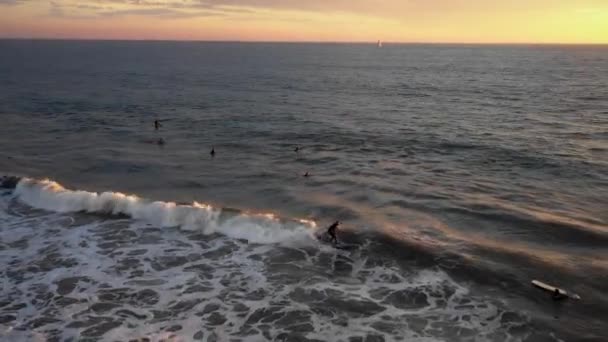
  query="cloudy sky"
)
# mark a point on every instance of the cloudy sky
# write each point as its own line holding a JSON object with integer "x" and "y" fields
{"x": 484, "y": 21}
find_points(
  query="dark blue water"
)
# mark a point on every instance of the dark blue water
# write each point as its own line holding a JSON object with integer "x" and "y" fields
{"x": 460, "y": 174}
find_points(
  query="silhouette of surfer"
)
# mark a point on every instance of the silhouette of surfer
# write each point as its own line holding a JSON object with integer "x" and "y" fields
{"x": 558, "y": 295}
{"x": 9, "y": 182}
{"x": 157, "y": 125}
{"x": 306, "y": 174}
{"x": 212, "y": 153}
{"x": 331, "y": 231}
{"x": 297, "y": 149}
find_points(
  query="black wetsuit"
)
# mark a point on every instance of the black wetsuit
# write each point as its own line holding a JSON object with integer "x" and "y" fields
{"x": 156, "y": 124}
{"x": 9, "y": 182}
{"x": 558, "y": 295}
{"x": 331, "y": 231}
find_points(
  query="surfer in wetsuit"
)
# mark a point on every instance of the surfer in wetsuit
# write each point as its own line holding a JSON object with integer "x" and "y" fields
{"x": 9, "y": 182}
{"x": 331, "y": 231}
{"x": 558, "y": 295}
{"x": 212, "y": 153}
{"x": 157, "y": 124}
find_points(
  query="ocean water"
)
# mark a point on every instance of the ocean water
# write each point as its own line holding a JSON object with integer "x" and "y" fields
{"x": 459, "y": 173}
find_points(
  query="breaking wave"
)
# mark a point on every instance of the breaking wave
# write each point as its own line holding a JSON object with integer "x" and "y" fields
{"x": 256, "y": 228}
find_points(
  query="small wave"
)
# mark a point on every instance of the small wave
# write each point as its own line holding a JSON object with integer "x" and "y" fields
{"x": 590, "y": 98}
{"x": 458, "y": 146}
{"x": 536, "y": 224}
{"x": 598, "y": 149}
{"x": 256, "y": 228}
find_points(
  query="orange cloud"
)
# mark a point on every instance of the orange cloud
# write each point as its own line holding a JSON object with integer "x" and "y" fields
{"x": 517, "y": 21}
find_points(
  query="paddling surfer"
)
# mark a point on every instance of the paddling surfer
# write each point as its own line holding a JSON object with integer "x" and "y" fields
{"x": 558, "y": 295}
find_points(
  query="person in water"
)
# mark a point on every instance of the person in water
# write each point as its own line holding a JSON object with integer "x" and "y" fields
{"x": 297, "y": 149}
{"x": 212, "y": 153}
{"x": 161, "y": 141}
{"x": 331, "y": 231}
{"x": 306, "y": 174}
{"x": 558, "y": 295}
{"x": 157, "y": 125}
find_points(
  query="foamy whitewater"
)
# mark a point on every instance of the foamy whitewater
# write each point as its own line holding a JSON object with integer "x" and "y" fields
{"x": 163, "y": 272}
{"x": 459, "y": 175}
{"x": 257, "y": 228}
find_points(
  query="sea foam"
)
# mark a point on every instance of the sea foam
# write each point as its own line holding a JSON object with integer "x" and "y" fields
{"x": 256, "y": 228}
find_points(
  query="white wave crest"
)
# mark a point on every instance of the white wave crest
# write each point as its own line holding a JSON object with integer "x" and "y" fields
{"x": 257, "y": 228}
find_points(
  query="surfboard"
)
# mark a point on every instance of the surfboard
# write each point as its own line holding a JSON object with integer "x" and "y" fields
{"x": 324, "y": 238}
{"x": 549, "y": 288}
{"x": 345, "y": 246}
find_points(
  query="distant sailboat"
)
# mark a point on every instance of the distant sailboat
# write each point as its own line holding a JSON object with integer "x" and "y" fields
{"x": 379, "y": 43}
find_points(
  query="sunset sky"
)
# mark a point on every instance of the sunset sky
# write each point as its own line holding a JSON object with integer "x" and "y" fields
{"x": 474, "y": 21}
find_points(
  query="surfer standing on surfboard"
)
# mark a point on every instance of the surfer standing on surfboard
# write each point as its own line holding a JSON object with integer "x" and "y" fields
{"x": 331, "y": 231}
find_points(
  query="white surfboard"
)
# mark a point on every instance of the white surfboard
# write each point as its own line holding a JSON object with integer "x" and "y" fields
{"x": 549, "y": 288}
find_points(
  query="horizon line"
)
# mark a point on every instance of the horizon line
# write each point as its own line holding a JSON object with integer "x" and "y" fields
{"x": 300, "y": 41}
